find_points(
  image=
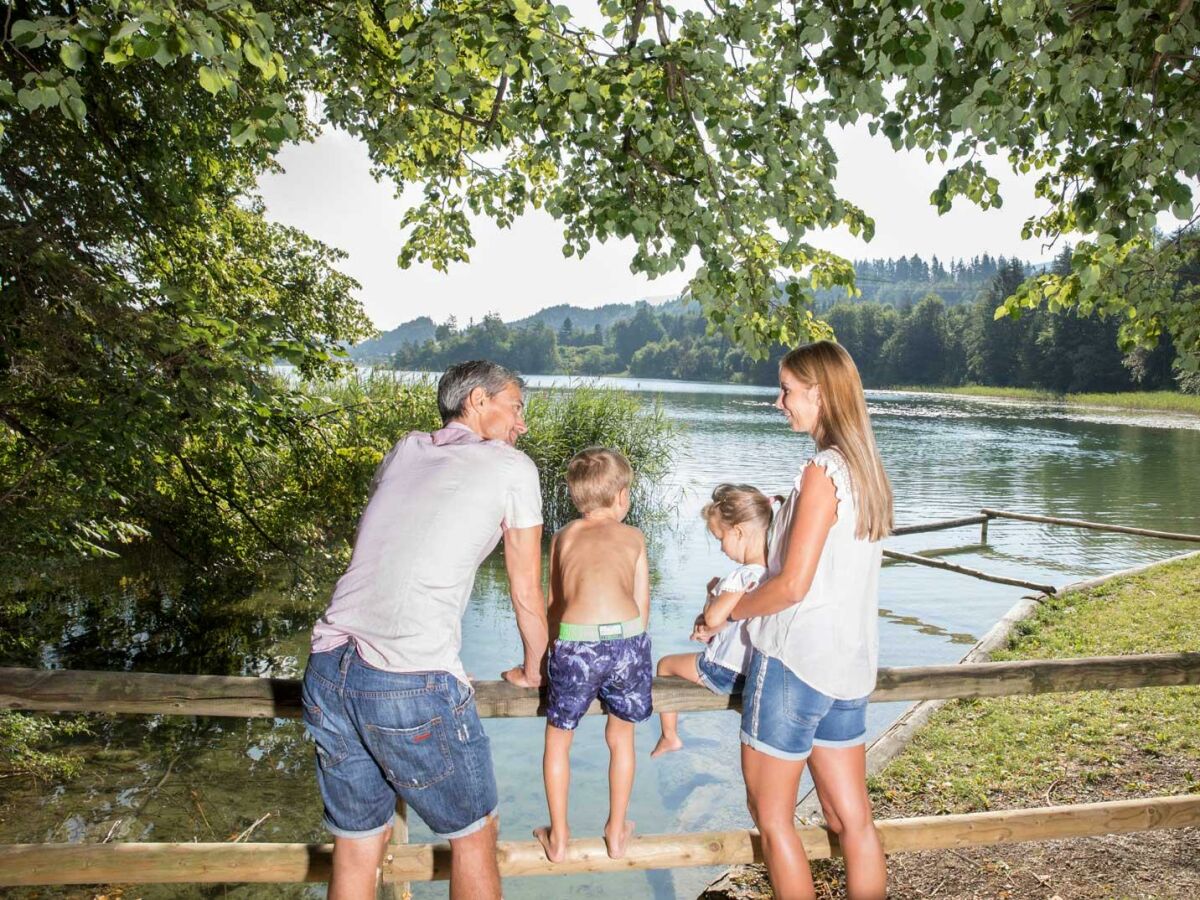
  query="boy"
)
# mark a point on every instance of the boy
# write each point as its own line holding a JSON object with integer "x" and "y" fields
{"x": 600, "y": 604}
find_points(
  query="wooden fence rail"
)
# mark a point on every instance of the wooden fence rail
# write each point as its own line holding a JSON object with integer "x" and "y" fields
{"x": 66, "y": 690}
{"x": 1094, "y": 526}
{"x": 36, "y": 864}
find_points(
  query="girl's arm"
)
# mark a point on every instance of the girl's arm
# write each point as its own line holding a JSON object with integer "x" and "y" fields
{"x": 815, "y": 514}
{"x": 641, "y": 586}
{"x": 716, "y": 613}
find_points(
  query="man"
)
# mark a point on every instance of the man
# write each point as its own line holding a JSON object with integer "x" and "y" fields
{"x": 386, "y": 698}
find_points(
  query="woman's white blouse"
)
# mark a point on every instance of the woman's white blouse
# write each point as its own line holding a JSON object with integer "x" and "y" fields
{"x": 830, "y": 639}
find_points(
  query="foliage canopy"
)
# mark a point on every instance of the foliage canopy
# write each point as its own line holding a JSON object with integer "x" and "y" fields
{"x": 145, "y": 297}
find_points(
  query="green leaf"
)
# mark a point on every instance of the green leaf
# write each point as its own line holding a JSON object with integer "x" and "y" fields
{"x": 72, "y": 56}
{"x": 210, "y": 80}
{"x": 76, "y": 109}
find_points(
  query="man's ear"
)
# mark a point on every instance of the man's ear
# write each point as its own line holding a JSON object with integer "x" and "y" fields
{"x": 476, "y": 397}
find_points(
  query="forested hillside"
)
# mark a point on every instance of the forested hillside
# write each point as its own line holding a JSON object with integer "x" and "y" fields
{"x": 933, "y": 341}
{"x": 897, "y": 282}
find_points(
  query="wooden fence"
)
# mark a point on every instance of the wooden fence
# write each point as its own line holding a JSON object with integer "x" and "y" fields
{"x": 214, "y": 695}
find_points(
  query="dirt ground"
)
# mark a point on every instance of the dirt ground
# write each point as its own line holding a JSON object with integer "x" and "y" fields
{"x": 1154, "y": 864}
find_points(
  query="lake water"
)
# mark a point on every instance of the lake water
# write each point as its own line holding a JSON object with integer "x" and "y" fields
{"x": 179, "y": 779}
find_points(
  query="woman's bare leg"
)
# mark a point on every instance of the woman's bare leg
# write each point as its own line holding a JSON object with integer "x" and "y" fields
{"x": 771, "y": 788}
{"x": 680, "y": 665}
{"x": 840, "y": 775}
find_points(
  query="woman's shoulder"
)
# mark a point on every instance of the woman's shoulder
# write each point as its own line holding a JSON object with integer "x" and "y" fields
{"x": 833, "y": 463}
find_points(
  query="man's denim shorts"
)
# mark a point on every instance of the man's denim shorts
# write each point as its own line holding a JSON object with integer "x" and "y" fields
{"x": 382, "y": 735}
{"x": 717, "y": 678}
{"x": 784, "y": 717}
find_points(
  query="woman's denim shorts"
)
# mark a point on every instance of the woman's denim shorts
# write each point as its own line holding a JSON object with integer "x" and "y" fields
{"x": 382, "y": 735}
{"x": 784, "y": 717}
{"x": 717, "y": 678}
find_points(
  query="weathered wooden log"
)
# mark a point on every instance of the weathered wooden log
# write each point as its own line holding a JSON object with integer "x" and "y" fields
{"x": 939, "y": 525}
{"x": 1094, "y": 526}
{"x": 33, "y": 864}
{"x": 115, "y": 692}
{"x": 27, "y": 864}
{"x": 963, "y": 570}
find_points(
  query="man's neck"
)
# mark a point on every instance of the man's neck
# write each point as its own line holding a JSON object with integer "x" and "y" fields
{"x": 464, "y": 423}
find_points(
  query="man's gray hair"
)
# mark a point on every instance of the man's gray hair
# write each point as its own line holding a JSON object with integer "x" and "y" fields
{"x": 456, "y": 384}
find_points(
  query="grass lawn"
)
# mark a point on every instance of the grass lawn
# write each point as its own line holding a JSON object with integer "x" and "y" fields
{"x": 1168, "y": 401}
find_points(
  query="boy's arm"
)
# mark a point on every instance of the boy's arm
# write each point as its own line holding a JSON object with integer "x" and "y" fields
{"x": 523, "y": 560}
{"x": 641, "y": 584}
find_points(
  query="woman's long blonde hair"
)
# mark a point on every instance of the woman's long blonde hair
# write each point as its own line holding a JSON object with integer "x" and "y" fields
{"x": 843, "y": 423}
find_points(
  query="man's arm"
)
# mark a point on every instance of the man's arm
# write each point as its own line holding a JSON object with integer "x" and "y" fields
{"x": 523, "y": 560}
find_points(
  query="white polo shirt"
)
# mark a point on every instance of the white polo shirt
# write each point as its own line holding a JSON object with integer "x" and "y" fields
{"x": 438, "y": 506}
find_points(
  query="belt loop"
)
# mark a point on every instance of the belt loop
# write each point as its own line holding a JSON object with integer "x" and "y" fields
{"x": 348, "y": 655}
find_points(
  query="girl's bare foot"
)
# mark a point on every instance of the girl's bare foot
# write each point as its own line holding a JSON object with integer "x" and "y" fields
{"x": 554, "y": 845}
{"x": 617, "y": 840}
{"x": 666, "y": 745}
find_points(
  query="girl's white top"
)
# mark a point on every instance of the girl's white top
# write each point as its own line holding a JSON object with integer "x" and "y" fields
{"x": 731, "y": 646}
{"x": 830, "y": 638}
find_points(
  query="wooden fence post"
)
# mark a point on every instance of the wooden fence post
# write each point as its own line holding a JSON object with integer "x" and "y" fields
{"x": 983, "y": 529}
{"x": 395, "y": 890}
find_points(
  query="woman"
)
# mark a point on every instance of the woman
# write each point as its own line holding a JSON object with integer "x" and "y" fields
{"x": 815, "y": 631}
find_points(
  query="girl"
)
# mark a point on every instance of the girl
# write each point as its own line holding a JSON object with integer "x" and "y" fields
{"x": 814, "y": 630}
{"x": 739, "y": 517}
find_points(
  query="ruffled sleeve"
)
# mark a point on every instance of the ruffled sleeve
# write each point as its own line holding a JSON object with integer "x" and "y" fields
{"x": 835, "y": 467}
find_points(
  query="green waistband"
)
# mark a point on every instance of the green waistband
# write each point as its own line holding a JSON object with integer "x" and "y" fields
{"x": 613, "y": 631}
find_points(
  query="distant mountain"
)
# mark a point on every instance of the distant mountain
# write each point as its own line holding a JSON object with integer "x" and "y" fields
{"x": 381, "y": 349}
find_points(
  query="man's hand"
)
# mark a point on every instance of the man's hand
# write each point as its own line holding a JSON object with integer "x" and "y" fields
{"x": 516, "y": 675}
{"x": 712, "y": 584}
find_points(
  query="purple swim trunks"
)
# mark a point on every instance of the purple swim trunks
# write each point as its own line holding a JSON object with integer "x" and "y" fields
{"x": 619, "y": 672}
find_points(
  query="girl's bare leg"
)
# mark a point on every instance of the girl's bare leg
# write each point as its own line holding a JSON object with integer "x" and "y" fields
{"x": 840, "y": 775}
{"x": 680, "y": 665}
{"x": 556, "y": 770}
{"x": 771, "y": 788}
{"x": 621, "y": 765}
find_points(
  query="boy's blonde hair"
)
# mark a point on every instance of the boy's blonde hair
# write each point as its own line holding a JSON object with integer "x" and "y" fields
{"x": 595, "y": 476}
{"x": 843, "y": 423}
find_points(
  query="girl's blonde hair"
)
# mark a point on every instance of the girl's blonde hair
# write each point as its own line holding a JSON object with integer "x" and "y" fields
{"x": 843, "y": 423}
{"x": 738, "y": 504}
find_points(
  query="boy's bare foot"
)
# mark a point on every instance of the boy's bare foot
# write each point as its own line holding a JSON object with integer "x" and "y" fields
{"x": 555, "y": 847}
{"x": 618, "y": 841}
{"x": 666, "y": 745}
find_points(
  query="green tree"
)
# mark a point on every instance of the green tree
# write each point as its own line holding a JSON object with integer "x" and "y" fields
{"x": 916, "y": 353}
{"x": 994, "y": 347}
{"x": 630, "y": 335}
{"x": 688, "y": 131}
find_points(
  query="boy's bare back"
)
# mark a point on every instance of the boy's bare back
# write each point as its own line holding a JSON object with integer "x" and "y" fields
{"x": 597, "y": 567}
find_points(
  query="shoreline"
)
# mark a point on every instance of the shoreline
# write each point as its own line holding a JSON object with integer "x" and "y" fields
{"x": 1132, "y": 401}
{"x": 1127, "y": 401}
